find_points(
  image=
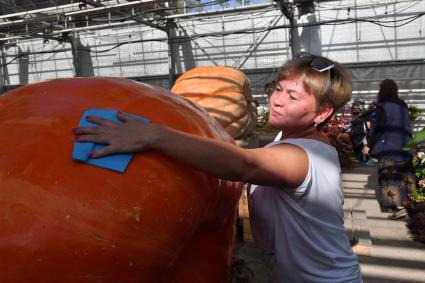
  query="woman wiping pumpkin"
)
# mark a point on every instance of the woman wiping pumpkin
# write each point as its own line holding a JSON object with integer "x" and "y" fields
{"x": 296, "y": 209}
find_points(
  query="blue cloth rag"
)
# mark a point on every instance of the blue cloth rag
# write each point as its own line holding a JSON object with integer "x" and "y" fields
{"x": 117, "y": 162}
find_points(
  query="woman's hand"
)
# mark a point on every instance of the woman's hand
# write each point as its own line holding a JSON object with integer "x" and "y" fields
{"x": 130, "y": 136}
{"x": 366, "y": 150}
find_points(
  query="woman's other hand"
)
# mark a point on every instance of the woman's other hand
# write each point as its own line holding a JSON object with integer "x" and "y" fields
{"x": 130, "y": 136}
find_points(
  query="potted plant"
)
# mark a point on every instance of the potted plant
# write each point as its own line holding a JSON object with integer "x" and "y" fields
{"x": 337, "y": 132}
{"x": 416, "y": 207}
{"x": 265, "y": 132}
{"x": 414, "y": 112}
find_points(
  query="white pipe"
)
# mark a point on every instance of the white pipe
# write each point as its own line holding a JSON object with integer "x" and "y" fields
{"x": 178, "y": 16}
{"x": 26, "y": 13}
{"x": 132, "y": 22}
{"x": 104, "y": 9}
{"x": 73, "y": 13}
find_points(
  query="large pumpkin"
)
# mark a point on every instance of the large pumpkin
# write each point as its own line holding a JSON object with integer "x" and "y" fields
{"x": 65, "y": 221}
{"x": 225, "y": 93}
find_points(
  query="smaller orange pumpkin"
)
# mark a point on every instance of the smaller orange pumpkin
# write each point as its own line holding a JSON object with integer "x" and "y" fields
{"x": 225, "y": 93}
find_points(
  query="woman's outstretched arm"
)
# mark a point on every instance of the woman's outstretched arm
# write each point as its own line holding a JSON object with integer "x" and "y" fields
{"x": 283, "y": 165}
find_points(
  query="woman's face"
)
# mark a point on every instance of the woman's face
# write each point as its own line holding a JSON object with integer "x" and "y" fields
{"x": 292, "y": 109}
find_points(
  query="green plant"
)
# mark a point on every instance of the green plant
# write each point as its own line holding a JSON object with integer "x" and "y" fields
{"x": 263, "y": 117}
{"x": 419, "y": 168}
{"x": 418, "y": 195}
{"x": 416, "y": 221}
{"x": 417, "y": 139}
{"x": 337, "y": 132}
{"x": 419, "y": 159}
{"x": 414, "y": 112}
{"x": 416, "y": 208}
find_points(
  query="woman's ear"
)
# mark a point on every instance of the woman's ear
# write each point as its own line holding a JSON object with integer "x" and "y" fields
{"x": 324, "y": 112}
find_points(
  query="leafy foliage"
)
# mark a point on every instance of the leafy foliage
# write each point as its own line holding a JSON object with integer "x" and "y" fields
{"x": 417, "y": 139}
{"x": 416, "y": 221}
{"x": 419, "y": 168}
{"x": 414, "y": 112}
{"x": 263, "y": 117}
{"x": 337, "y": 132}
{"x": 341, "y": 141}
{"x": 416, "y": 209}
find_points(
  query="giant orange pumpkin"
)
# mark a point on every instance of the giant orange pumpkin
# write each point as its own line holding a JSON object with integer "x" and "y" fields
{"x": 225, "y": 93}
{"x": 65, "y": 221}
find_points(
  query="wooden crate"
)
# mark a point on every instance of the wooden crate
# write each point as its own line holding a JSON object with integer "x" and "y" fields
{"x": 356, "y": 226}
{"x": 245, "y": 230}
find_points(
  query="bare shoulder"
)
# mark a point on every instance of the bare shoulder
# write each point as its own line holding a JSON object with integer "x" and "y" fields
{"x": 283, "y": 165}
{"x": 291, "y": 155}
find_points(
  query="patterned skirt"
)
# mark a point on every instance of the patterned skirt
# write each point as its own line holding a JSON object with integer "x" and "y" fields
{"x": 396, "y": 181}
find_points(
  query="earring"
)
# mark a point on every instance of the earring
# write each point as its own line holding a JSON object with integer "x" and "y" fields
{"x": 316, "y": 124}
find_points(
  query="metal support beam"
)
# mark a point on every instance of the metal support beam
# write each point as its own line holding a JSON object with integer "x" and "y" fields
{"x": 135, "y": 18}
{"x": 288, "y": 10}
{"x": 61, "y": 8}
{"x": 99, "y": 10}
{"x": 3, "y": 64}
{"x": 171, "y": 25}
{"x": 132, "y": 22}
{"x": 3, "y": 72}
{"x": 238, "y": 64}
{"x": 198, "y": 45}
{"x": 74, "y": 45}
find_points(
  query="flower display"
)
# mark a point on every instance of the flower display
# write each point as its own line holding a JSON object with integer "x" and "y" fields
{"x": 416, "y": 208}
{"x": 419, "y": 167}
{"x": 337, "y": 131}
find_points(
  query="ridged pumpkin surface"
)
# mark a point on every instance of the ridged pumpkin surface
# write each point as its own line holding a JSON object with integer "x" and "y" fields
{"x": 225, "y": 93}
{"x": 65, "y": 221}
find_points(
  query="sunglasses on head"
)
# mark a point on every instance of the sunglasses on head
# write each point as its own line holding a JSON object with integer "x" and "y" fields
{"x": 317, "y": 63}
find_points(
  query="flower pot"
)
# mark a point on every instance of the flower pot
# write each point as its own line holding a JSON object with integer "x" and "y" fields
{"x": 416, "y": 220}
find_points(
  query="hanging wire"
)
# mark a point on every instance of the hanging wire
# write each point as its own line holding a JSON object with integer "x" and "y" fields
{"x": 384, "y": 23}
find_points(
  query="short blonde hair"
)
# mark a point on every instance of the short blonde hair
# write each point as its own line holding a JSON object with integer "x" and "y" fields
{"x": 336, "y": 92}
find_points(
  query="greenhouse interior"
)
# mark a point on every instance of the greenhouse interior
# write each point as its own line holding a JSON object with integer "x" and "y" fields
{"x": 160, "y": 43}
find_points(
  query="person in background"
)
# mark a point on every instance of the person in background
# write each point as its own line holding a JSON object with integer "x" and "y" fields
{"x": 358, "y": 131}
{"x": 391, "y": 132}
{"x": 269, "y": 88}
{"x": 369, "y": 116}
{"x": 296, "y": 210}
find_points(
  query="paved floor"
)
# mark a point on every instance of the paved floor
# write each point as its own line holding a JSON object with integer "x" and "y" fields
{"x": 395, "y": 257}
